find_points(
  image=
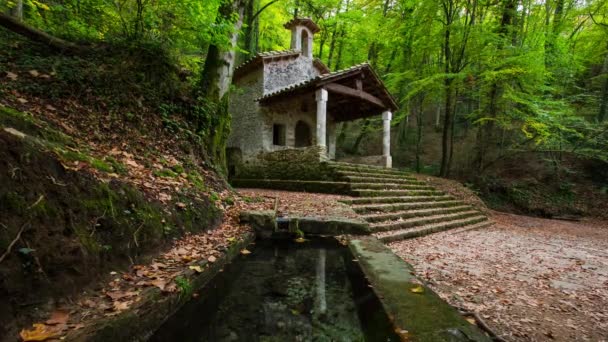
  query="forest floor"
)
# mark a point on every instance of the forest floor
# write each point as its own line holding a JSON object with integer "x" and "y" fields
{"x": 530, "y": 279}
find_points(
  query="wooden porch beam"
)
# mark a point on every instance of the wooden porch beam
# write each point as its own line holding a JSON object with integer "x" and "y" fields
{"x": 344, "y": 90}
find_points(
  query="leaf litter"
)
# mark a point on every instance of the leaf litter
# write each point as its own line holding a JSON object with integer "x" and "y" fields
{"x": 530, "y": 279}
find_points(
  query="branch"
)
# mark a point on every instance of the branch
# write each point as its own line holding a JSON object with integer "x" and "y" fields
{"x": 36, "y": 35}
{"x": 10, "y": 247}
{"x": 262, "y": 9}
{"x": 595, "y": 22}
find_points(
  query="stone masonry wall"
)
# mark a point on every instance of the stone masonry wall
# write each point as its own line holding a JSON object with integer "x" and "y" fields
{"x": 281, "y": 73}
{"x": 247, "y": 126}
{"x": 290, "y": 164}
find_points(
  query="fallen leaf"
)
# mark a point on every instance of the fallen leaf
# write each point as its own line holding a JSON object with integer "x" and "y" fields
{"x": 160, "y": 283}
{"x": 116, "y": 295}
{"x": 11, "y": 75}
{"x": 211, "y": 259}
{"x": 417, "y": 289}
{"x": 197, "y": 268}
{"x": 300, "y": 240}
{"x": 40, "y": 332}
{"x": 245, "y": 251}
{"x": 34, "y": 73}
{"x": 22, "y": 100}
{"x": 58, "y": 317}
{"x": 121, "y": 306}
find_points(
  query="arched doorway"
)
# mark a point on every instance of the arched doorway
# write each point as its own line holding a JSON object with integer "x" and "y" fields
{"x": 303, "y": 135}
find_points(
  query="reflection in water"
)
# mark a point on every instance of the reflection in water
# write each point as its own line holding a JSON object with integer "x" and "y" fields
{"x": 283, "y": 292}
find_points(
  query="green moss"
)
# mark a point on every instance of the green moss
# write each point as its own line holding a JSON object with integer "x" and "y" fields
{"x": 178, "y": 169}
{"x": 118, "y": 167}
{"x": 28, "y": 124}
{"x": 13, "y": 202}
{"x": 168, "y": 173}
{"x": 197, "y": 180}
{"x": 72, "y": 155}
{"x": 101, "y": 165}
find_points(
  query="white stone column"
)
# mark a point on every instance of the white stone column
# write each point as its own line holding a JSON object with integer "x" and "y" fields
{"x": 321, "y": 97}
{"x": 386, "y": 139}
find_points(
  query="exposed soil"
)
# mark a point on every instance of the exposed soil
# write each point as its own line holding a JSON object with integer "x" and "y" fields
{"x": 530, "y": 279}
{"x": 298, "y": 203}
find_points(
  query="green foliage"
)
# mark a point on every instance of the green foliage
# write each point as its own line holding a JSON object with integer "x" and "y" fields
{"x": 522, "y": 70}
{"x": 184, "y": 286}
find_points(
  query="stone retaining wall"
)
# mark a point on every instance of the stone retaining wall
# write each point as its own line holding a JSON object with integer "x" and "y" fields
{"x": 304, "y": 163}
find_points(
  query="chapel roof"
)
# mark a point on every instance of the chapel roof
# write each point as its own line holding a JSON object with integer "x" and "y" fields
{"x": 259, "y": 58}
{"x": 307, "y": 22}
{"x": 374, "y": 84}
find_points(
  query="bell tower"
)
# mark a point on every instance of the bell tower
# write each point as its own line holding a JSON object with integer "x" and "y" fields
{"x": 302, "y": 32}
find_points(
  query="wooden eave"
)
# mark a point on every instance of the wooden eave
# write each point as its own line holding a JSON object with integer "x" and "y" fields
{"x": 354, "y": 93}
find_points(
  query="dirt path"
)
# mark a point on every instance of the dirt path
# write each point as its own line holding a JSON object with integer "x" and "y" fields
{"x": 531, "y": 279}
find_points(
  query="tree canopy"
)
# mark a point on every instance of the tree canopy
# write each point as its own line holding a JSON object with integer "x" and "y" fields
{"x": 527, "y": 75}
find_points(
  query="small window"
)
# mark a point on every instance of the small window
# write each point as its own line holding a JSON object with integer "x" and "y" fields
{"x": 278, "y": 135}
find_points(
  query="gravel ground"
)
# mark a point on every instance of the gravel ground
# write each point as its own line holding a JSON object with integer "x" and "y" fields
{"x": 530, "y": 279}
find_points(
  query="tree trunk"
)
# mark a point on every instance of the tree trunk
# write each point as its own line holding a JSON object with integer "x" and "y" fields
{"x": 17, "y": 11}
{"x": 601, "y": 115}
{"x": 216, "y": 78}
{"x": 219, "y": 64}
{"x": 332, "y": 45}
{"x": 340, "y": 46}
{"x": 36, "y": 35}
{"x": 448, "y": 7}
{"x": 362, "y": 134}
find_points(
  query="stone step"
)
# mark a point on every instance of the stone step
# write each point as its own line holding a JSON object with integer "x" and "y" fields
{"x": 389, "y": 193}
{"x": 370, "y": 170}
{"x": 360, "y": 166}
{"x": 393, "y": 207}
{"x": 390, "y": 186}
{"x": 475, "y": 222}
{"x": 406, "y": 214}
{"x": 396, "y": 199}
{"x": 344, "y": 173}
{"x": 421, "y": 221}
{"x": 398, "y": 180}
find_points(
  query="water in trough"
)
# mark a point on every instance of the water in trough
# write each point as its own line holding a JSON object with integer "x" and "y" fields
{"x": 284, "y": 291}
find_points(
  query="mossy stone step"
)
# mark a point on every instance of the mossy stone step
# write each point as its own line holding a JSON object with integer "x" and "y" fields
{"x": 478, "y": 221}
{"x": 374, "y": 218}
{"x": 295, "y": 185}
{"x": 392, "y": 207}
{"x": 370, "y": 171}
{"x": 347, "y": 173}
{"x": 388, "y": 193}
{"x": 420, "y": 221}
{"x": 396, "y": 199}
{"x": 360, "y": 166}
{"x": 398, "y": 180}
{"x": 390, "y": 186}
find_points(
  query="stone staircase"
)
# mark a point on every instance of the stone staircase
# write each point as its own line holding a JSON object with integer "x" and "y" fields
{"x": 398, "y": 206}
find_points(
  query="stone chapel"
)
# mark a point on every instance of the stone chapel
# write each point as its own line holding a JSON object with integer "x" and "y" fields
{"x": 291, "y": 100}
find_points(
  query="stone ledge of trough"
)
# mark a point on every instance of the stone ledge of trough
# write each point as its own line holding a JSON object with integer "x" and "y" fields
{"x": 418, "y": 315}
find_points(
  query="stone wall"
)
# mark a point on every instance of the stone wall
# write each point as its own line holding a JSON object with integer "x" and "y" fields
{"x": 289, "y": 164}
{"x": 281, "y": 73}
{"x": 247, "y": 127}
